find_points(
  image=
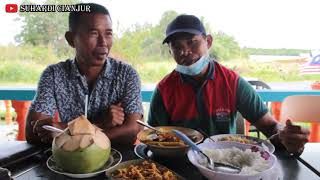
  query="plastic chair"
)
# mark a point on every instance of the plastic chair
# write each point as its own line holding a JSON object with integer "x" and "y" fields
{"x": 302, "y": 108}
{"x": 257, "y": 85}
{"x": 240, "y": 123}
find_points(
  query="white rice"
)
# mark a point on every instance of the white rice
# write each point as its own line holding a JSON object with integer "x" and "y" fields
{"x": 251, "y": 162}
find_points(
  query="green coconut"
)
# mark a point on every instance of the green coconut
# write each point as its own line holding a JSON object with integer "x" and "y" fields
{"x": 82, "y": 148}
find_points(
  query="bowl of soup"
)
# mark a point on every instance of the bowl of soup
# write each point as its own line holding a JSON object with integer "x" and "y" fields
{"x": 165, "y": 143}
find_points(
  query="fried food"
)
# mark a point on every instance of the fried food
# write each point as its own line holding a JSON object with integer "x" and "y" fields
{"x": 239, "y": 139}
{"x": 144, "y": 171}
{"x": 164, "y": 139}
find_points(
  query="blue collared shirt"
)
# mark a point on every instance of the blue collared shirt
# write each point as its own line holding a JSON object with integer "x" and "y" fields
{"x": 62, "y": 88}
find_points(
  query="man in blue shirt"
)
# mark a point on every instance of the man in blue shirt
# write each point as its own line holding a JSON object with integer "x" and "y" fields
{"x": 112, "y": 86}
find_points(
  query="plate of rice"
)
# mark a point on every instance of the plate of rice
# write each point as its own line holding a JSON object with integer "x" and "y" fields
{"x": 255, "y": 162}
{"x": 240, "y": 138}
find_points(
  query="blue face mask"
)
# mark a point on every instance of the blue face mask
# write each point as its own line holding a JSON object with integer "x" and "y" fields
{"x": 195, "y": 68}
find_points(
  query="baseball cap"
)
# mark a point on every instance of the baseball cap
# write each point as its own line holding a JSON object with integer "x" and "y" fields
{"x": 184, "y": 23}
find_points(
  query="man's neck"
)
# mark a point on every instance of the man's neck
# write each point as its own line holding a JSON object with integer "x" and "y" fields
{"x": 91, "y": 72}
{"x": 202, "y": 75}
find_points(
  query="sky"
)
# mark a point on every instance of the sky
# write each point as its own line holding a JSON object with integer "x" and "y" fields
{"x": 253, "y": 23}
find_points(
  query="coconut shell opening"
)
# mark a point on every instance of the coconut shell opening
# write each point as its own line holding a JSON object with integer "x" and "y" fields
{"x": 81, "y": 125}
{"x": 81, "y": 134}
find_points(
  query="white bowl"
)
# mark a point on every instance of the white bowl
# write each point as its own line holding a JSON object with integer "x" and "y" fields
{"x": 270, "y": 174}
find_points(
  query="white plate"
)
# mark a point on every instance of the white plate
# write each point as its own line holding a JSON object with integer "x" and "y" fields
{"x": 114, "y": 159}
{"x": 267, "y": 145}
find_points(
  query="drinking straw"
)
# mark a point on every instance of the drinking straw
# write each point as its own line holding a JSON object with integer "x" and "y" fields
{"x": 86, "y": 106}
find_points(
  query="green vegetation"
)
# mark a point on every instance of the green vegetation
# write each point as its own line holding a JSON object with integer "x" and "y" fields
{"x": 151, "y": 70}
{"x": 19, "y": 72}
{"x": 45, "y": 29}
{"x": 225, "y": 48}
{"x": 23, "y": 64}
{"x": 3, "y": 114}
{"x": 28, "y": 54}
{"x": 154, "y": 71}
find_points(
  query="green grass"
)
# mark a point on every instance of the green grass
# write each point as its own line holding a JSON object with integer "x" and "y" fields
{"x": 26, "y": 73}
{"x": 22, "y": 65}
{"x": 154, "y": 71}
{"x": 19, "y": 72}
{"x": 3, "y": 113}
{"x": 28, "y": 54}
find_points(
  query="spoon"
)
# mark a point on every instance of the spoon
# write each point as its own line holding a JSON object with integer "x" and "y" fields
{"x": 205, "y": 134}
{"x": 264, "y": 140}
{"x": 147, "y": 125}
{"x": 52, "y": 129}
{"x": 216, "y": 166}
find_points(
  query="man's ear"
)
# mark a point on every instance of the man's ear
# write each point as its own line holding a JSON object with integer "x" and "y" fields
{"x": 70, "y": 38}
{"x": 209, "y": 41}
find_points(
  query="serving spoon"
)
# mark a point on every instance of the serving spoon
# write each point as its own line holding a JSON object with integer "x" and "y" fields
{"x": 147, "y": 125}
{"x": 264, "y": 140}
{"x": 52, "y": 129}
{"x": 206, "y": 135}
{"x": 216, "y": 166}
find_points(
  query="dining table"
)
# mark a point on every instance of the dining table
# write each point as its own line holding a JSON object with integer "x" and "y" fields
{"x": 28, "y": 162}
{"x": 311, "y": 156}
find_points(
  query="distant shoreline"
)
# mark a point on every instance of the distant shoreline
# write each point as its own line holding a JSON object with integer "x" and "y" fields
{"x": 271, "y": 58}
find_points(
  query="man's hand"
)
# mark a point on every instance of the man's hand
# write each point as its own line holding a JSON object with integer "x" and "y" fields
{"x": 115, "y": 116}
{"x": 294, "y": 137}
{"x": 120, "y": 128}
{"x": 44, "y": 135}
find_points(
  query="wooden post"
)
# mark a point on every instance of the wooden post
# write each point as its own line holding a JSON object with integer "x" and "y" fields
{"x": 8, "y": 117}
{"x": 315, "y": 126}
{"x": 275, "y": 109}
{"x": 314, "y": 132}
{"x": 21, "y": 108}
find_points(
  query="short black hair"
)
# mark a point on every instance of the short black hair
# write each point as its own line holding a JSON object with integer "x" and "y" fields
{"x": 74, "y": 16}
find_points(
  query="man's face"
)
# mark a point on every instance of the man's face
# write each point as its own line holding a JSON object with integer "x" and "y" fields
{"x": 187, "y": 48}
{"x": 93, "y": 39}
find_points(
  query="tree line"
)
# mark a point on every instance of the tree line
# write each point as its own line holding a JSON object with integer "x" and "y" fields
{"x": 133, "y": 44}
{"x": 142, "y": 42}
